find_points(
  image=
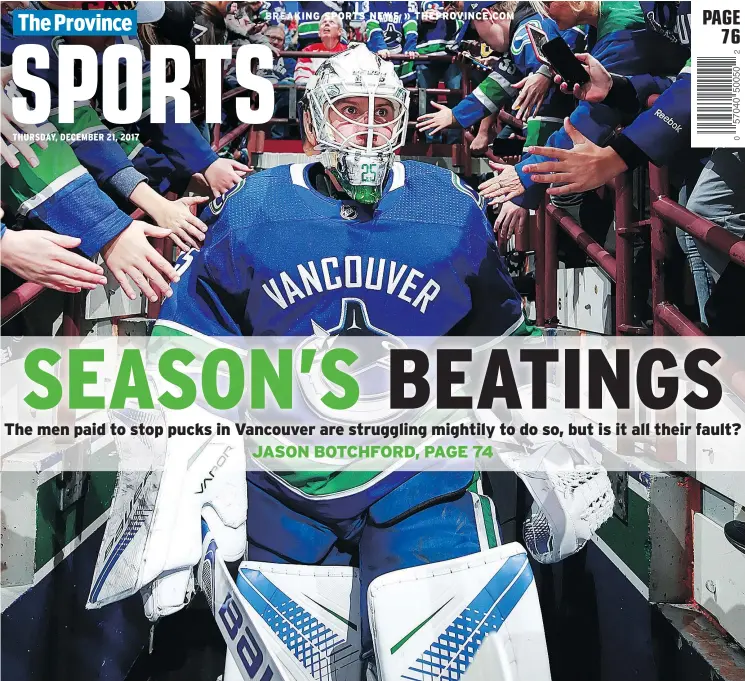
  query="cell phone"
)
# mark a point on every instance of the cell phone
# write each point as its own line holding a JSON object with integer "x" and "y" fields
{"x": 502, "y": 146}
{"x": 565, "y": 63}
{"x": 538, "y": 39}
{"x": 470, "y": 59}
{"x": 557, "y": 54}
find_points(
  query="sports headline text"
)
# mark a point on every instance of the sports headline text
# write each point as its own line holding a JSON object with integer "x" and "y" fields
{"x": 120, "y": 82}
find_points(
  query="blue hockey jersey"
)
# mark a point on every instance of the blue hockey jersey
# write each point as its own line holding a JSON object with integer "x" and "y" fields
{"x": 59, "y": 194}
{"x": 424, "y": 262}
{"x": 625, "y": 47}
{"x": 436, "y": 36}
{"x": 391, "y": 25}
{"x": 521, "y": 60}
{"x": 662, "y": 131}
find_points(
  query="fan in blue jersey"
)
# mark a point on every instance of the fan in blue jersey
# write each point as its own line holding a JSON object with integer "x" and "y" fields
{"x": 391, "y": 29}
{"x": 353, "y": 243}
{"x": 658, "y": 134}
{"x": 503, "y": 26}
{"x": 622, "y": 43}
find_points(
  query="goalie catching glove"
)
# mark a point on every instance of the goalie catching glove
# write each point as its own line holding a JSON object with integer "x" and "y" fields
{"x": 572, "y": 498}
{"x": 572, "y": 495}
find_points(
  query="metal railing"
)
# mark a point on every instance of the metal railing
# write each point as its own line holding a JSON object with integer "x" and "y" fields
{"x": 665, "y": 213}
{"x": 618, "y": 267}
{"x": 19, "y": 299}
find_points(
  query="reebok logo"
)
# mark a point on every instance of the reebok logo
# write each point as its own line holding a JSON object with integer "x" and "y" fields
{"x": 670, "y": 121}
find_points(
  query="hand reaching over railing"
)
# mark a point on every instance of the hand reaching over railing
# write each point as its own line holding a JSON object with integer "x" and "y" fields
{"x": 503, "y": 187}
{"x": 584, "y": 167}
{"x": 224, "y": 174}
{"x": 131, "y": 254}
{"x": 186, "y": 229}
{"x": 533, "y": 90}
{"x": 47, "y": 258}
{"x": 512, "y": 219}
{"x": 436, "y": 121}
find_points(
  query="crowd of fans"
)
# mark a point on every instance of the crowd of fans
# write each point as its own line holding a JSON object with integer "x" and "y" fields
{"x": 576, "y": 138}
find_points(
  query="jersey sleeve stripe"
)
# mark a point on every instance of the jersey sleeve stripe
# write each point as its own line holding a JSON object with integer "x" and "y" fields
{"x": 51, "y": 189}
{"x": 495, "y": 88}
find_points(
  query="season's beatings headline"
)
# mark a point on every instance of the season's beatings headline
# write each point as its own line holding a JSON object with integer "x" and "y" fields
{"x": 338, "y": 392}
{"x": 339, "y": 378}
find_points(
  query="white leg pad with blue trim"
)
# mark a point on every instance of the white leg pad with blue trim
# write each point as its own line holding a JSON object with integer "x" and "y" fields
{"x": 307, "y": 616}
{"x": 432, "y": 622}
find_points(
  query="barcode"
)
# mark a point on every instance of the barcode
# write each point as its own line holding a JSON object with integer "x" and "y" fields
{"x": 715, "y": 96}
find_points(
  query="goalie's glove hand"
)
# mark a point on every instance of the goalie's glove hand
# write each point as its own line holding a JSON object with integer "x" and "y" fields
{"x": 572, "y": 495}
{"x": 572, "y": 498}
{"x": 216, "y": 478}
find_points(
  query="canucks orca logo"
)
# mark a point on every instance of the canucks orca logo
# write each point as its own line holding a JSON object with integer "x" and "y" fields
{"x": 354, "y": 321}
{"x": 521, "y": 38}
{"x": 392, "y": 35}
{"x": 216, "y": 205}
{"x": 371, "y": 371}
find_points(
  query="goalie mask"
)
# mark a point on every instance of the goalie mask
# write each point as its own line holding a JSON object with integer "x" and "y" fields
{"x": 357, "y": 110}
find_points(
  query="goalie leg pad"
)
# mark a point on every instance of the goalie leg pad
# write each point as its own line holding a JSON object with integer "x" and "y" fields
{"x": 429, "y": 622}
{"x": 308, "y": 616}
{"x": 438, "y": 531}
